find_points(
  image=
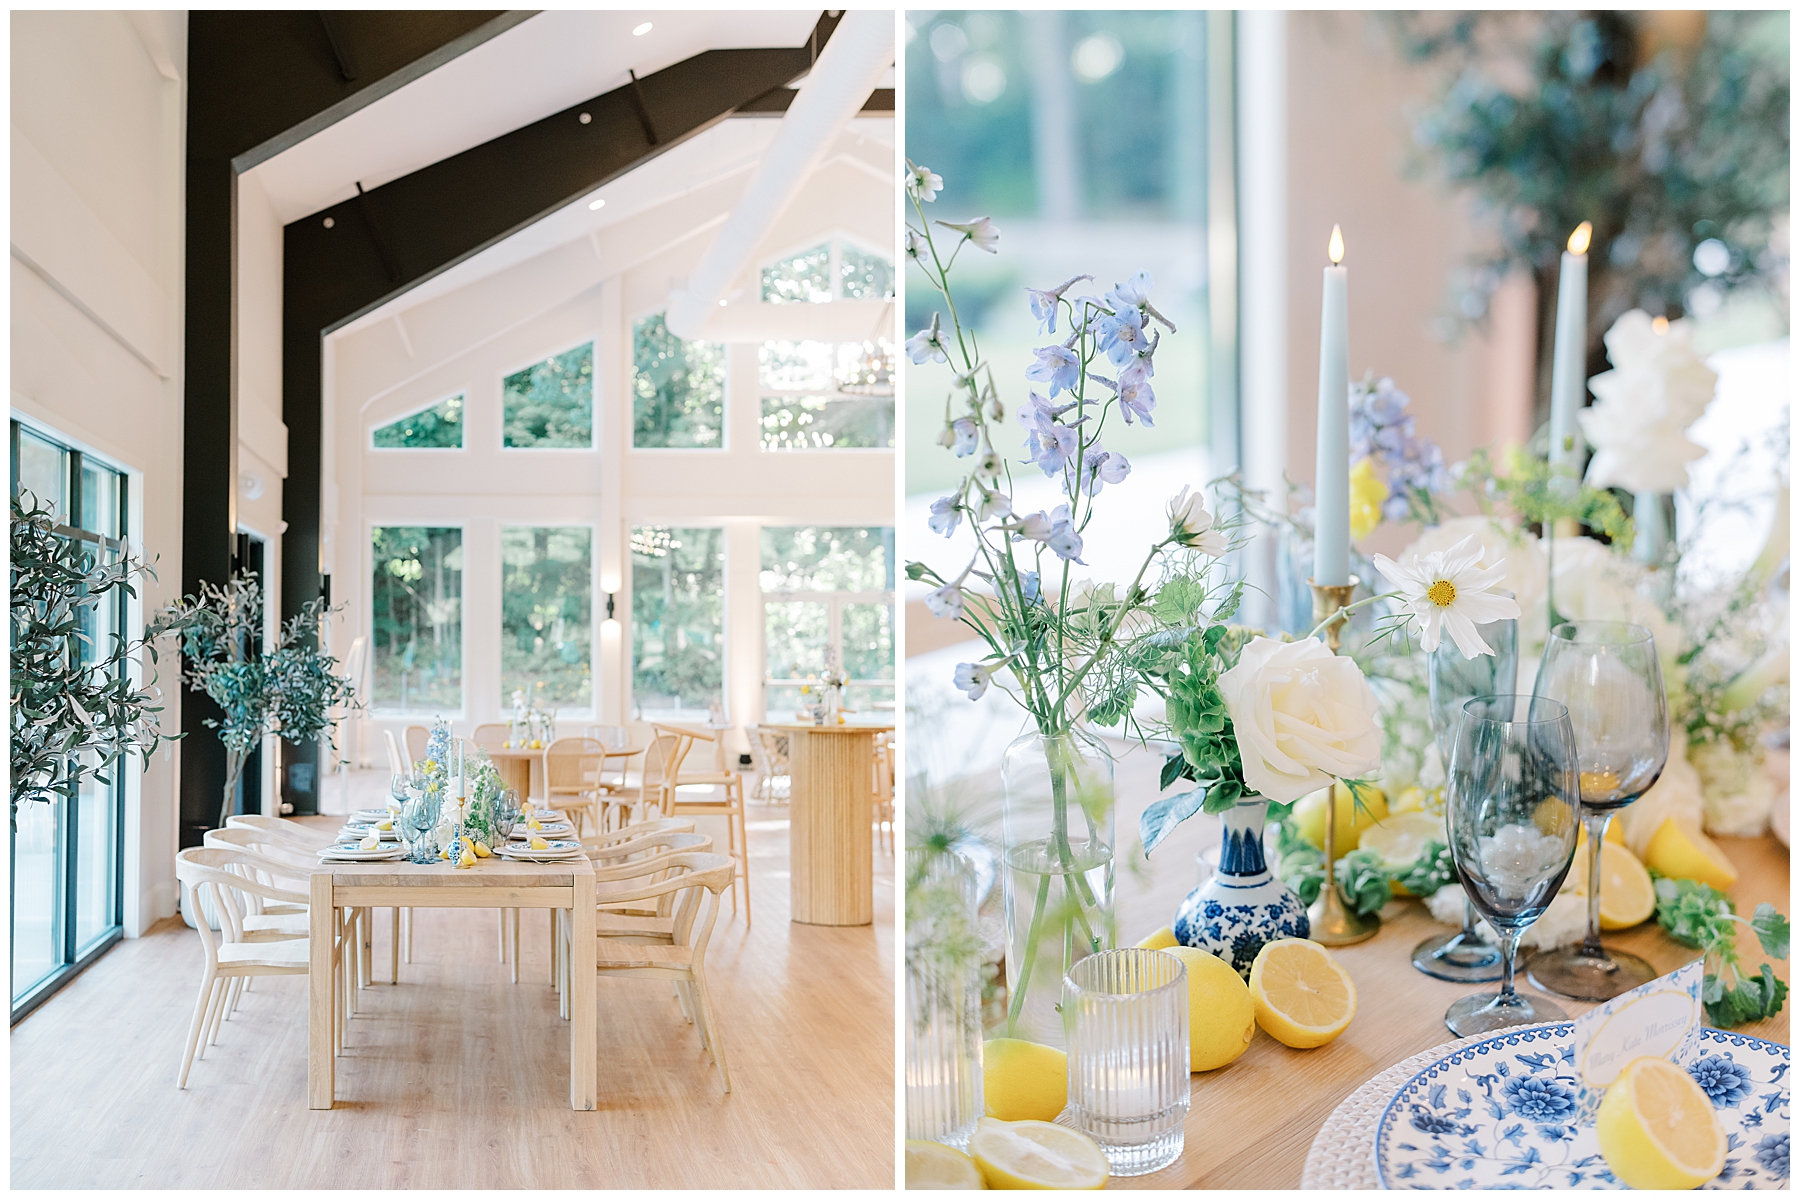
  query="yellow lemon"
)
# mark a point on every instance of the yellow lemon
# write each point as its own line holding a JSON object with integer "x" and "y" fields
{"x": 482, "y": 851}
{"x": 467, "y": 859}
{"x": 388, "y": 824}
{"x": 1398, "y": 839}
{"x": 1037, "y": 1155}
{"x": 1023, "y": 1081}
{"x": 1221, "y": 1019}
{"x": 1657, "y": 1129}
{"x": 1302, "y": 997}
{"x": 1410, "y": 799}
{"x": 1627, "y": 896}
{"x": 533, "y": 823}
{"x": 538, "y": 843}
{"x": 1162, "y": 939}
{"x": 934, "y": 1167}
{"x": 1309, "y": 816}
{"x": 1681, "y": 850}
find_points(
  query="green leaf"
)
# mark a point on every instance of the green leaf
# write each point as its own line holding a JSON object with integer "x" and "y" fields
{"x": 1771, "y": 930}
{"x": 1162, "y": 816}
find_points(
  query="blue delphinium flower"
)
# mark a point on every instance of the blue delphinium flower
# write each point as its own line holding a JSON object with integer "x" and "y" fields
{"x": 927, "y": 345}
{"x": 1051, "y": 444}
{"x": 1772, "y": 1153}
{"x": 1383, "y": 430}
{"x": 1099, "y": 467}
{"x": 1058, "y": 366}
{"x": 1063, "y": 539}
{"x": 1539, "y": 1099}
{"x": 1034, "y": 588}
{"x": 1725, "y": 1082}
{"x": 1135, "y": 394}
{"x": 1044, "y": 303}
{"x": 1122, "y": 336}
{"x": 966, "y": 436}
{"x": 946, "y": 515}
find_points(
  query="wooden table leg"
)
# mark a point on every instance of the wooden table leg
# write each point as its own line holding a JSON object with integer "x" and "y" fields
{"x": 320, "y": 1058}
{"x": 584, "y": 1033}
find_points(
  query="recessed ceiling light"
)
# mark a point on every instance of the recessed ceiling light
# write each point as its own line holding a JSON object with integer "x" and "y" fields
{"x": 721, "y": 304}
{"x": 641, "y": 30}
{"x": 596, "y": 204}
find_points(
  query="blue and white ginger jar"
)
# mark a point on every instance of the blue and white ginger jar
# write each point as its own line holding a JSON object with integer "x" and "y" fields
{"x": 1243, "y": 906}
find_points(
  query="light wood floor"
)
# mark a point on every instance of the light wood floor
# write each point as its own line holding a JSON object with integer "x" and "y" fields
{"x": 458, "y": 1078}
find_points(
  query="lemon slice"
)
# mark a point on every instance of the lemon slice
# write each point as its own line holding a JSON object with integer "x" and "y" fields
{"x": 482, "y": 851}
{"x": 1680, "y": 849}
{"x": 1301, "y": 996}
{"x": 538, "y": 843}
{"x": 1023, "y": 1081}
{"x": 372, "y": 842}
{"x": 1162, "y": 939}
{"x": 387, "y": 824}
{"x": 1627, "y": 896}
{"x": 467, "y": 859}
{"x": 932, "y": 1167}
{"x": 1657, "y": 1129}
{"x": 1036, "y": 1155}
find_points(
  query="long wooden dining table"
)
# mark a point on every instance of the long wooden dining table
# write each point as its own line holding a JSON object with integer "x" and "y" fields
{"x": 492, "y": 883}
{"x": 526, "y": 770}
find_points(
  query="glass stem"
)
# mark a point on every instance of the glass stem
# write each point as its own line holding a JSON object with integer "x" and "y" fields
{"x": 1509, "y": 956}
{"x": 1596, "y": 833}
{"x": 1468, "y": 929}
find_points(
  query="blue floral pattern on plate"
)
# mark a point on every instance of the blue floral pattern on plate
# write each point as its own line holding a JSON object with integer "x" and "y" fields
{"x": 1498, "y": 1114}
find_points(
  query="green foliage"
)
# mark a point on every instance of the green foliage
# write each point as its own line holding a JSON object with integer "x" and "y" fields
{"x": 1543, "y": 494}
{"x": 439, "y": 427}
{"x": 1660, "y": 154}
{"x": 1430, "y": 871}
{"x": 678, "y": 388}
{"x": 290, "y": 689}
{"x": 1698, "y": 915}
{"x": 416, "y": 606}
{"x": 827, "y": 558}
{"x": 677, "y": 615}
{"x": 551, "y": 405}
{"x": 76, "y": 712}
{"x": 1362, "y": 882}
{"x": 546, "y": 612}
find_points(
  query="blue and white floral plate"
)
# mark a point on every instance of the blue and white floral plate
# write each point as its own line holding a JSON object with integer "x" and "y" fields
{"x": 555, "y": 850}
{"x": 1493, "y": 1115}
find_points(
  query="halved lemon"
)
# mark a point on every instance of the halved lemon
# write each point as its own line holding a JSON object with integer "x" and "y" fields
{"x": 1036, "y": 1155}
{"x": 1301, "y": 996}
{"x": 1680, "y": 849}
{"x": 932, "y": 1166}
{"x": 1657, "y": 1129}
{"x": 1162, "y": 939}
{"x": 1627, "y": 897}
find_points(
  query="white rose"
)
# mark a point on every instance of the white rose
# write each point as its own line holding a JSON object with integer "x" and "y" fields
{"x": 1594, "y": 583}
{"x": 1302, "y": 715}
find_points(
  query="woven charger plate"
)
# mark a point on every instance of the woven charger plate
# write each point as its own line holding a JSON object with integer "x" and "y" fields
{"x": 1343, "y": 1152}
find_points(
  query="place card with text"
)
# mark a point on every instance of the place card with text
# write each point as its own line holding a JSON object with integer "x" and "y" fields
{"x": 1660, "y": 1019}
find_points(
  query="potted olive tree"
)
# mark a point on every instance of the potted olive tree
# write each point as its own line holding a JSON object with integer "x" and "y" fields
{"x": 289, "y": 689}
{"x": 77, "y": 710}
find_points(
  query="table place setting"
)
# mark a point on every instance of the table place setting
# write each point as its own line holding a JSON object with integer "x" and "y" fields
{"x": 1504, "y": 773}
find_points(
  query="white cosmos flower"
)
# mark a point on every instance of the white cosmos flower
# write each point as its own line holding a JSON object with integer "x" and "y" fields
{"x": 1449, "y": 590}
{"x": 1191, "y": 525}
{"x": 981, "y": 231}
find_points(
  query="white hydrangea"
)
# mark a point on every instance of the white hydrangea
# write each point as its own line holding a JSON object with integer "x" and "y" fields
{"x": 1737, "y": 792}
{"x": 1657, "y": 388}
{"x": 1562, "y": 924}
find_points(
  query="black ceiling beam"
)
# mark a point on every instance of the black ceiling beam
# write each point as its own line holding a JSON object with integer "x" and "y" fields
{"x": 259, "y": 82}
{"x": 775, "y": 103}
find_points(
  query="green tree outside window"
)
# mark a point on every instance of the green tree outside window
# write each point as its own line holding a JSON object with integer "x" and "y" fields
{"x": 417, "y": 600}
{"x": 547, "y": 604}
{"x": 677, "y": 620}
{"x": 550, "y": 406}
{"x": 439, "y": 427}
{"x": 678, "y": 389}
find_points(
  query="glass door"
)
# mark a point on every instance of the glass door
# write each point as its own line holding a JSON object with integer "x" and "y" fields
{"x": 67, "y": 896}
{"x": 804, "y": 633}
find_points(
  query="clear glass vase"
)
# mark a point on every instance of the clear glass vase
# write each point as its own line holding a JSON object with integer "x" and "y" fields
{"x": 943, "y": 999}
{"x": 1057, "y": 872}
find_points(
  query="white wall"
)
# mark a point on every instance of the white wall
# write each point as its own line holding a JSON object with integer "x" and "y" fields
{"x": 597, "y": 287}
{"x": 97, "y": 171}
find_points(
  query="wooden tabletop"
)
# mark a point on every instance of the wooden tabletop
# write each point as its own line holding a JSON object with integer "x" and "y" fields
{"x": 809, "y": 727}
{"x": 487, "y": 872}
{"x": 1273, "y": 1100}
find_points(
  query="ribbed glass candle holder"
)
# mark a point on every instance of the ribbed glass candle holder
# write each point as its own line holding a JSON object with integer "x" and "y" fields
{"x": 1126, "y": 1012}
{"x": 943, "y": 999}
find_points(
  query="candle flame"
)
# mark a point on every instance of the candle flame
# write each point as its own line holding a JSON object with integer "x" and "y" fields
{"x": 1660, "y": 325}
{"x": 1336, "y": 248}
{"x": 1578, "y": 241}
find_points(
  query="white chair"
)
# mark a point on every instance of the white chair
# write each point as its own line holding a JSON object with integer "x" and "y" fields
{"x": 230, "y": 955}
{"x": 490, "y": 735}
{"x": 397, "y": 762}
{"x": 417, "y": 737}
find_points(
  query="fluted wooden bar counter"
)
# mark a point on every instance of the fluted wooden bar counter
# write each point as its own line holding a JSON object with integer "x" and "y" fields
{"x": 832, "y": 790}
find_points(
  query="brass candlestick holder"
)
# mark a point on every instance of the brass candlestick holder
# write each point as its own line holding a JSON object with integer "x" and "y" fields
{"x": 1332, "y": 923}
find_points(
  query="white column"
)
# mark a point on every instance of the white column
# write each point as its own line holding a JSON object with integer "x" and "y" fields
{"x": 743, "y": 626}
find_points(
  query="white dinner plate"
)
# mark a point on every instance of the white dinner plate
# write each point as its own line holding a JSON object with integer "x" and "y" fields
{"x": 357, "y": 854}
{"x": 370, "y": 814}
{"x": 1499, "y": 1113}
{"x": 556, "y": 850}
{"x": 359, "y": 832}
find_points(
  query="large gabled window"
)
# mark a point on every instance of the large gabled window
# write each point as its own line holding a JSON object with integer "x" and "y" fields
{"x": 550, "y": 405}
{"x": 825, "y": 396}
{"x": 437, "y": 427}
{"x": 833, "y": 270}
{"x": 678, "y": 390}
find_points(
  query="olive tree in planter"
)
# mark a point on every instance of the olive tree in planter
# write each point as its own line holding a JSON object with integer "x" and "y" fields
{"x": 77, "y": 712}
{"x": 289, "y": 690}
